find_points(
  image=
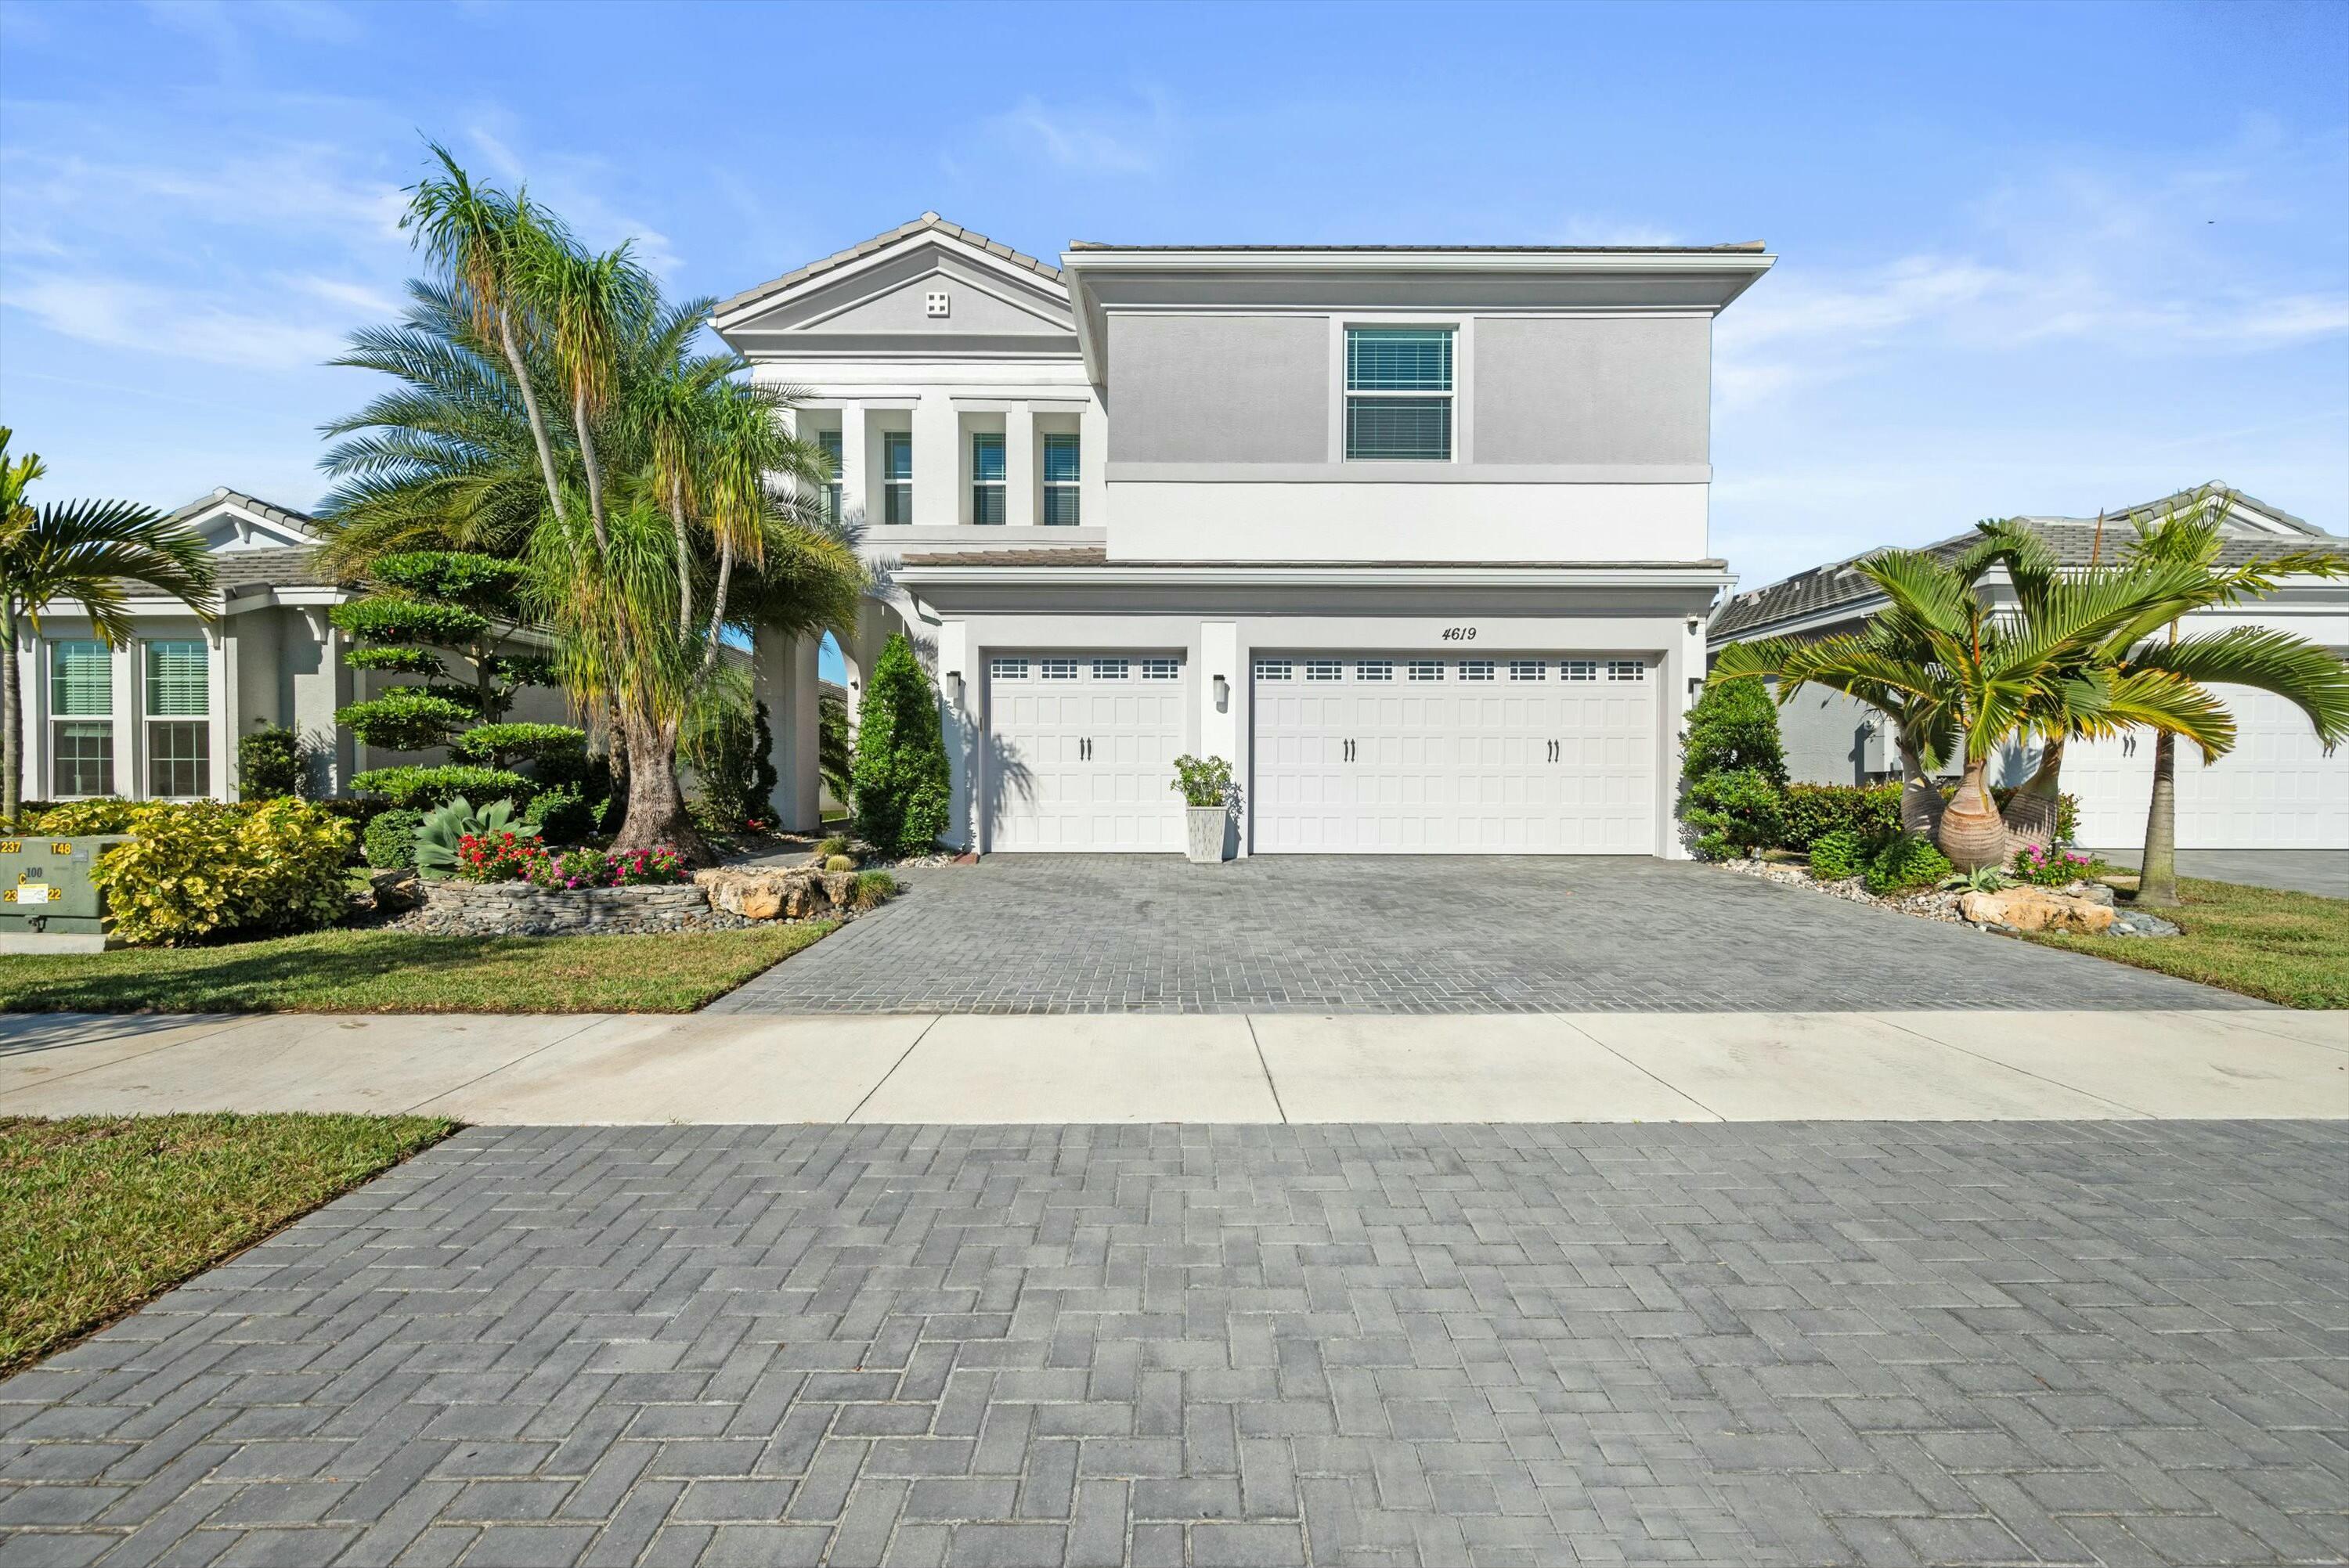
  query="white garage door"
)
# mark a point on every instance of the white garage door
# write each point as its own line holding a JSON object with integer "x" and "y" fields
{"x": 1403, "y": 753}
{"x": 2275, "y": 790}
{"x": 1082, "y": 751}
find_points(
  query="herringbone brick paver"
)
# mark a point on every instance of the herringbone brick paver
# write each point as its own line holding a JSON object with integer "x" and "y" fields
{"x": 1802, "y": 1344}
{"x": 1338, "y": 934}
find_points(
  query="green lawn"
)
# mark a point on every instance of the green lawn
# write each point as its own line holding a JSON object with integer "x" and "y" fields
{"x": 405, "y": 971}
{"x": 98, "y": 1214}
{"x": 2286, "y": 947}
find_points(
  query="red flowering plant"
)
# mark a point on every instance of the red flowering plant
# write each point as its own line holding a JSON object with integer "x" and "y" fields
{"x": 498, "y": 857}
{"x": 2054, "y": 868}
{"x": 647, "y": 868}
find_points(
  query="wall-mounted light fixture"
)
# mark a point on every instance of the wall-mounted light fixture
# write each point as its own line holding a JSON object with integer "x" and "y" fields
{"x": 953, "y": 688}
{"x": 1222, "y": 694}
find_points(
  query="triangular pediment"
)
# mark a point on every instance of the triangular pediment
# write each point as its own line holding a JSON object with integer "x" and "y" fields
{"x": 229, "y": 520}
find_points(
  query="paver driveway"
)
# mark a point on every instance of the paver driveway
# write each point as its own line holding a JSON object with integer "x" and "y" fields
{"x": 1085, "y": 933}
{"x": 1812, "y": 1343}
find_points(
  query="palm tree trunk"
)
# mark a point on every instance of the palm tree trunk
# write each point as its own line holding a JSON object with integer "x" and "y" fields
{"x": 11, "y": 715}
{"x": 657, "y": 815}
{"x": 594, "y": 475}
{"x": 2032, "y": 815}
{"x": 717, "y": 604}
{"x": 1972, "y": 833}
{"x": 530, "y": 408}
{"x": 2156, "y": 880}
{"x": 1921, "y": 798}
{"x": 684, "y": 559}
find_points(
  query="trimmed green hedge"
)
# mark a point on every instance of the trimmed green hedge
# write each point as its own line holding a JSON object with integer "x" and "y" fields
{"x": 425, "y": 787}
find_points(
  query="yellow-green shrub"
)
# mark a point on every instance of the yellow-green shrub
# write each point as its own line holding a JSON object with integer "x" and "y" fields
{"x": 200, "y": 868}
{"x": 83, "y": 818}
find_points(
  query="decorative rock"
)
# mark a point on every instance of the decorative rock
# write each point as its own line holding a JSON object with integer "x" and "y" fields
{"x": 2139, "y": 923}
{"x": 767, "y": 894}
{"x": 2037, "y": 909}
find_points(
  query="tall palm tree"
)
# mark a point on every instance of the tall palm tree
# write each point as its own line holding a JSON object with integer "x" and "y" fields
{"x": 80, "y": 553}
{"x": 2190, "y": 535}
{"x": 664, "y": 516}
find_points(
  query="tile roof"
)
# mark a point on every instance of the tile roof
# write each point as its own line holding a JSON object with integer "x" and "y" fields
{"x": 1749, "y": 246}
{"x": 929, "y": 222}
{"x": 1098, "y": 555}
{"x": 2073, "y": 540}
{"x": 273, "y": 566}
{"x": 284, "y": 516}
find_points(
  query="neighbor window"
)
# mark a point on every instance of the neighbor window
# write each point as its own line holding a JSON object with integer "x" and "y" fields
{"x": 898, "y": 476}
{"x": 81, "y": 718}
{"x": 1061, "y": 481}
{"x": 1399, "y": 393}
{"x": 987, "y": 479}
{"x": 828, "y": 442}
{"x": 178, "y": 706}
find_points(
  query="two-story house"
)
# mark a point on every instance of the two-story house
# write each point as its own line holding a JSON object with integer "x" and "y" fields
{"x": 1414, "y": 536}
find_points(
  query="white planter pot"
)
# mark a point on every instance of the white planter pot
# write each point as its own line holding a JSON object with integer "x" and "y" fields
{"x": 1206, "y": 826}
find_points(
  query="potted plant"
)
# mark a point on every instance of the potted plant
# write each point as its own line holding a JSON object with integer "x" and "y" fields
{"x": 1209, "y": 798}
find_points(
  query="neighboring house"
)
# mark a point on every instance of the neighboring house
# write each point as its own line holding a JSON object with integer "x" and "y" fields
{"x": 158, "y": 718}
{"x": 1414, "y": 536}
{"x": 2277, "y": 789}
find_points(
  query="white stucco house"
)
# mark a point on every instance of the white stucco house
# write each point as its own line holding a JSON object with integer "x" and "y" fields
{"x": 160, "y": 716}
{"x": 2278, "y": 789}
{"x": 1414, "y": 536}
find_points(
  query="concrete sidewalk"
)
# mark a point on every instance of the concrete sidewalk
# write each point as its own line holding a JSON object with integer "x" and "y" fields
{"x": 1298, "y": 1068}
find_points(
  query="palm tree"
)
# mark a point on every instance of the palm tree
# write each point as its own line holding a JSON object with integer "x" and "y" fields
{"x": 2190, "y": 536}
{"x": 665, "y": 515}
{"x": 82, "y": 553}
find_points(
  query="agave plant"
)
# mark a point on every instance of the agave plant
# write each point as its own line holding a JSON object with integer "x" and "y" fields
{"x": 446, "y": 827}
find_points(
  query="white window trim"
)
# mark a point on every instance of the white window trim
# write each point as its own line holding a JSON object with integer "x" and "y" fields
{"x": 1464, "y": 408}
{"x": 1075, "y": 486}
{"x": 1001, "y": 486}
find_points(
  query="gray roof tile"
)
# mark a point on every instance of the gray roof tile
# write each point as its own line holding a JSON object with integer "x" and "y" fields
{"x": 929, "y": 222}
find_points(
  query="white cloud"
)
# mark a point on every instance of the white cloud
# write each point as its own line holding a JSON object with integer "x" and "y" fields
{"x": 115, "y": 312}
{"x": 1093, "y": 139}
{"x": 572, "y": 188}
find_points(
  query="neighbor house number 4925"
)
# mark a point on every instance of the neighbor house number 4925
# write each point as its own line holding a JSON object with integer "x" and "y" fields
{"x": 1459, "y": 634}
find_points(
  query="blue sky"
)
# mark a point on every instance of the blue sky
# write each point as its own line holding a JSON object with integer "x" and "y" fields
{"x": 2033, "y": 259}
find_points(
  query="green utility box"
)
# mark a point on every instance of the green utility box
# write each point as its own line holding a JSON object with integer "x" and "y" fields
{"x": 47, "y": 902}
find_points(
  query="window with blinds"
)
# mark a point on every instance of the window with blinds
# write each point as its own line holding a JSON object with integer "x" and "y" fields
{"x": 1399, "y": 394}
{"x": 178, "y": 680}
{"x": 82, "y": 680}
{"x": 1061, "y": 481}
{"x": 986, "y": 489}
{"x": 898, "y": 476}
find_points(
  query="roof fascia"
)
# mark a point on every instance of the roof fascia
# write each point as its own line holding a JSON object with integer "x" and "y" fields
{"x": 751, "y": 309}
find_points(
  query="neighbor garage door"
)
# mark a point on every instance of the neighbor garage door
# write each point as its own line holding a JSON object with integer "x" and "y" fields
{"x": 1403, "y": 753}
{"x": 1082, "y": 749}
{"x": 2275, "y": 790}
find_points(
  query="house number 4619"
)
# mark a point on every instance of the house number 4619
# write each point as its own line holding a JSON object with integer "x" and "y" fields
{"x": 1459, "y": 634}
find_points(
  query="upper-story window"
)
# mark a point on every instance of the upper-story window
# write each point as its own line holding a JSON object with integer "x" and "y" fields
{"x": 828, "y": 442}
{"x": 1060, "y": 469}
{"x": 987, "y": 479}
{"x": 898, "y": 476}
{"x": 81, "y": 718}
{"x": 1399, "y": 393}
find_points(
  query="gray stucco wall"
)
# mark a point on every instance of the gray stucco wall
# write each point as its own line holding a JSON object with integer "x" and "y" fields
{"x": 1586, "y": 390}
{"x": 1828, "y": 738}
{"x": 1219, "y": 389}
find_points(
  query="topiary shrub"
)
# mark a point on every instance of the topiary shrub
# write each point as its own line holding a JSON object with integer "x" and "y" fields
{"x": 1838, "y": 855}
{"x": 428, "y": 786}
{"x": 1735, "y": 814}
{"x": 391, "y": 839}
{"x": 269, "y": 764}
{"x": 510, "y": 745}
{"x": 1908, "y": 862}
{"x": 560, "y": 815}
{"x": 901, "y": 779}
{"x": 199, "y": 869}
{"x": 1733, "y": 728}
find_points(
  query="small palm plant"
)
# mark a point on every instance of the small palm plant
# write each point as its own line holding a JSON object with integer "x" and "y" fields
{"x": 79, "y": 552}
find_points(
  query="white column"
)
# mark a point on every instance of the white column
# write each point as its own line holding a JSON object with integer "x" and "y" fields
{"x": 220, "y": 671}
{"x": 129, "y": 732}
{"x": 317, "y": 694}
{"x": 958, "y": 694}
{"x": 856, "y": 500}
{"x": 1220, "y": 727}
{"x": 1019, "y": 465}
{"x": 1092, "y": 466}
{"x": 34, "y": 777}
{"x": 782, "y": 675}
{"x": 936, "y": 462}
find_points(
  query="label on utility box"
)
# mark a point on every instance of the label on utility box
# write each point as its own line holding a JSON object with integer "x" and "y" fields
{"x": 29, "y": 893}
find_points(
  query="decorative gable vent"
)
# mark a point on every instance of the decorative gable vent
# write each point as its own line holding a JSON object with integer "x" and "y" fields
{"x": 937, "y": 302}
